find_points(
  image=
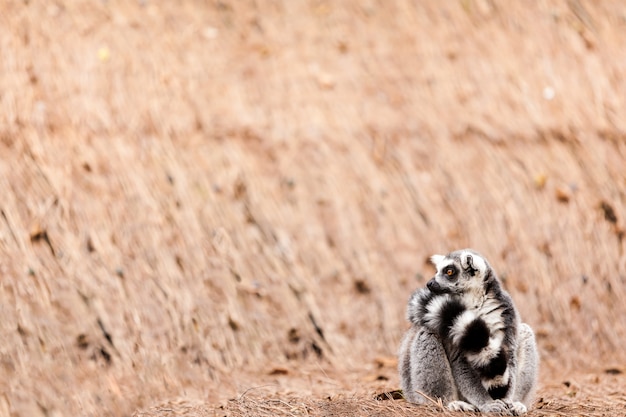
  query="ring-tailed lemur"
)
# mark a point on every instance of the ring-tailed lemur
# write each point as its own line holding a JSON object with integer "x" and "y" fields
{"x": 466, "y": 344}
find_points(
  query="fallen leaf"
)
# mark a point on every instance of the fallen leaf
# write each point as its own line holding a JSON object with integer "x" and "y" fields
{"x": 563, "y": 195}
{"x": 540, "y": 181}
{"x": 279, "y": 371}
{"x": 390, "y": 395}
{"x": 104, "y": 54}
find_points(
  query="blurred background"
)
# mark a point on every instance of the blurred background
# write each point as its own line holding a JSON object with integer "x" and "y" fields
{"x": 201, "y": 197}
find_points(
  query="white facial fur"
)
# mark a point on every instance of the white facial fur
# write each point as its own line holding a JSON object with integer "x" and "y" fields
{"x": 471, "y": 267}
{"x": 437, "y": 260}
{"x": 477, "y": 261}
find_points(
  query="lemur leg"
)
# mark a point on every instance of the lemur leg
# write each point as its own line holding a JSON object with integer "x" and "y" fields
{"x": 472, "y": 392}
{"x": 524, "y": 369}
{"x": 527, "y": 366}
{"x": 424, "y": 368}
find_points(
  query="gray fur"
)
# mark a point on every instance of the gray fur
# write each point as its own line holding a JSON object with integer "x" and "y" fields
{"x": 434, "y": 377}
{"x": 466, "y": 344}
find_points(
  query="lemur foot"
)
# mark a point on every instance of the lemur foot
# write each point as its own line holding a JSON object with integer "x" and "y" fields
{"x": 517, "y": 408}
{"x": 496, "y": 407}
{"x": 461, "y": 406}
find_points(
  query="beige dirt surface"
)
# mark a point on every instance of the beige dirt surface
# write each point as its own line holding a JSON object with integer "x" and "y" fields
{"x": 221, "y": 207}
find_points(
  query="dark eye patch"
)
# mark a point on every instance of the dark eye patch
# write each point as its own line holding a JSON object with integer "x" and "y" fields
{"x": 450, "y": 271}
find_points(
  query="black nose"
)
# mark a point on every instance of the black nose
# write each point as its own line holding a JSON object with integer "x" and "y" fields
{"x": 434, "y": 286}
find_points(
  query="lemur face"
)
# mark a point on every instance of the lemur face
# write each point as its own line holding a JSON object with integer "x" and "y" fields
{"x": 458, "y": 272}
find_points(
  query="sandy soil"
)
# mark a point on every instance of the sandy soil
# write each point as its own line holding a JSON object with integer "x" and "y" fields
{"x": 221, "y": 208}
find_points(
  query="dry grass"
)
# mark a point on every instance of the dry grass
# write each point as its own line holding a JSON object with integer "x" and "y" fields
{"x": 588, "y": 394}
{"x": 207, "y": 197}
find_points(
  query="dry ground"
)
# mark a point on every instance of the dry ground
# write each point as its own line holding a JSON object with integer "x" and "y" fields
{"x": 221, "y": 208}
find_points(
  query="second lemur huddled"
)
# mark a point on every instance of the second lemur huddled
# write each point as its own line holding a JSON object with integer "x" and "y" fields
{"x": 466, "y": 344}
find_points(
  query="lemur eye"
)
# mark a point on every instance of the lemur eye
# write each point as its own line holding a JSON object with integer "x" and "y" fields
{"x": 449, "y": 271}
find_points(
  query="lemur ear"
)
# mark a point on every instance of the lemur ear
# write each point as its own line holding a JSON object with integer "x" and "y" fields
{"x": 473, "y": 263}
{"x": 436, "y": 259}
{"x": 467, "y": 262}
